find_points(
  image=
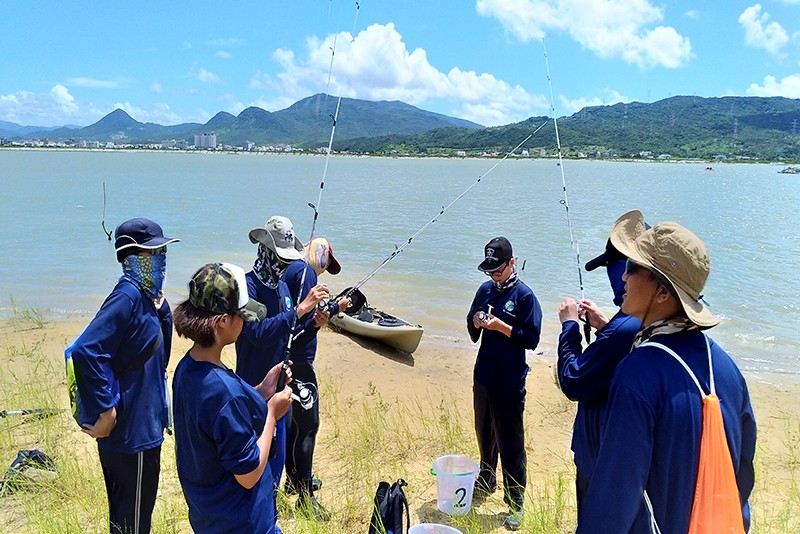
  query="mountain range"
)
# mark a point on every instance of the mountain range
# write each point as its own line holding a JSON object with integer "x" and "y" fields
{"x": 306, "y": 123}
{"x": 680, "y": 126}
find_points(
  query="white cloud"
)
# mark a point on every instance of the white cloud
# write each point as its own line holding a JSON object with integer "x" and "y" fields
{"x": 788, "y": 87}
{"x": 609, "y": 97}
{"x": 759, "y": 32}
{"x": 692, "y": 14}
{"x": 228, "y": 42}
{"x": 377, "y": 65}
{"x": 93, "y": 83}
{"x": 224, "y": 54}
{"x": 54, "y": 108}
{"x": 611, "y": 29}
{"x": 155, "y": 87}
{"x": 206, "y": 76}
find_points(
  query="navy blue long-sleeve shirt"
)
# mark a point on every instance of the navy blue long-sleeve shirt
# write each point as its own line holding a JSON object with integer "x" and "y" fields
{"x": 586, "y": 377}
{"x": 651, "y": 438}
{"x": 501, "y": 360}
{"x": 126, "y": 326}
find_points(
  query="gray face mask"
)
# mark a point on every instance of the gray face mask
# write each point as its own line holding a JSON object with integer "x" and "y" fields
{"x": 268, "y": 267}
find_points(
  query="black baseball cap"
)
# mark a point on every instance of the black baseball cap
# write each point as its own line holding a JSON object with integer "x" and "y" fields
{"x": 139, "y": 233}
{"x": 495, "y": 253}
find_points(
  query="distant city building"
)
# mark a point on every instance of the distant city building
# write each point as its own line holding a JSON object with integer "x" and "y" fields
{"x": 205, "y": 140}
{"x": 248, "y": 145}
{"x": 174, "y": 143}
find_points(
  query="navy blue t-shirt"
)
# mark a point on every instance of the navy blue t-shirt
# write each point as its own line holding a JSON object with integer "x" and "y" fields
{"x": 218, "y": 419}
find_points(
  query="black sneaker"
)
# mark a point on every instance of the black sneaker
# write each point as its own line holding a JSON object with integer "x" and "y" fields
{"x": 513, "y": 520}
{"x": 310, "y": 506}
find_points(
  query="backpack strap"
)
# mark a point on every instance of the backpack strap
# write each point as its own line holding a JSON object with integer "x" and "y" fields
{"x": 686, "y": 367}
{"x": 653, "y": 524}
{"x": 400, "y": 484}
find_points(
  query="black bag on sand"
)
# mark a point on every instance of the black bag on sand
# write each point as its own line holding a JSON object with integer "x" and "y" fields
{"x": 387, "y": 512}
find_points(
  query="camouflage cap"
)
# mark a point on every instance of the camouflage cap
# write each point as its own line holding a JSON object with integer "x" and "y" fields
{"x": 222, "y": 288}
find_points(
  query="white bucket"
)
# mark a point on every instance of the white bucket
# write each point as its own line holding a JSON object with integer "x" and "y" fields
{"x": 455, "y": 481}
{"x": 433, "y": 528}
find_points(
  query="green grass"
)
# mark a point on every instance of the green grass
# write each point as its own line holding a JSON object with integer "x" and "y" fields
{"x": 364, "y": 439}
{"x": 26, "y": 318}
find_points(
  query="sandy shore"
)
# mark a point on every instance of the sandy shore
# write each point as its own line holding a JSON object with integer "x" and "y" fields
{"x": 440, "y": 371}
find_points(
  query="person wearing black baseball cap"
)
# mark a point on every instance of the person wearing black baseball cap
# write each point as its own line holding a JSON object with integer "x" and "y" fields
{"x": 223, "y": 426}
{"x": 120, "y": 363}
{"x": 506, "y": 317}
{"x": 585, "y": 375}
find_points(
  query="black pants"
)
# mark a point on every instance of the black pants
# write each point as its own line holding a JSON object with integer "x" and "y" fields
{"x": 500, "y": 430}
{"x": 302, "y": 435}
{"x": 131, "y": 485}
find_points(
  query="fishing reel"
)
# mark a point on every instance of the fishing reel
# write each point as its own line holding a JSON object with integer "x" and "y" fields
{"x": 483, "y": 316}
{"x": 306, "y": 394}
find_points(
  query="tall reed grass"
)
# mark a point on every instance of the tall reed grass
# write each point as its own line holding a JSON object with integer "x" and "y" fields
{"x": 364, "y": 439}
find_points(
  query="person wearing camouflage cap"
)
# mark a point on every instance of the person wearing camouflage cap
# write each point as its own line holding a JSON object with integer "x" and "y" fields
{"x": 654, "y": 421}
{"x": 223, "y": 425}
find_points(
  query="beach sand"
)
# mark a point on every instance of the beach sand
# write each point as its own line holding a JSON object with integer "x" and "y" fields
{"x": 424, "y": 403}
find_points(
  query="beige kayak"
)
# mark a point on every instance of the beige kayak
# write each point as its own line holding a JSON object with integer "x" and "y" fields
{"x": 370, "y": 322}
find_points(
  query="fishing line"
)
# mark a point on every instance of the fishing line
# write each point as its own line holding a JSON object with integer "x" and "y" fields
{"x": 334, "y": 118}
{"x": 565, "y": 201}
{"x": 435, "y": 218}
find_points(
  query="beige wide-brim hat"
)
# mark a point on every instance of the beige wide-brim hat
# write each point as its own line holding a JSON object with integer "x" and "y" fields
{"x": 677, "y": 254}
{"x": 278, "y": 236}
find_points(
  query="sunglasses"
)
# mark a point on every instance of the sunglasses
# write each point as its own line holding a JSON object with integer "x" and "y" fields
{"x": 156, "y": 251}
{"x": 499, "y": 271}
{"x": 632, "y": 267}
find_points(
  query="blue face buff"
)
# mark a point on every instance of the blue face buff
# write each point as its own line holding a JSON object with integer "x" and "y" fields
{"x": 615, "y": 270}
{"x": 148, "y": 271}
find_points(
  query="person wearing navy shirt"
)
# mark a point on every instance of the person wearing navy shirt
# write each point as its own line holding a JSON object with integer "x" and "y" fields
{"x": 506, "y": 317}
{"x": 646, "y": 470}
{"x": 585, "y": 375}
{"x": 301, "y": 276}
{"x": 263, "y": 343}
{"x": 223, "y": 425}
{"x": 120, "y": 363}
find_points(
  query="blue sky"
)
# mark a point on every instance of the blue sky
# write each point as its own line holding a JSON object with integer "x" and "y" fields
{"x": 172, "y": 62}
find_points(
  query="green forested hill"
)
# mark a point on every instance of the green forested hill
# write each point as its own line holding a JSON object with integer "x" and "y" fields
{"x": 681, "y": 126}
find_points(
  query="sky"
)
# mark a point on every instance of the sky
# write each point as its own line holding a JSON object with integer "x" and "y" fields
{"x": 72, "y": 63}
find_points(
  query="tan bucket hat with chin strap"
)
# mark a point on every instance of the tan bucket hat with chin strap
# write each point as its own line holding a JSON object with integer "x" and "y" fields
{"x": 677, "y": 254}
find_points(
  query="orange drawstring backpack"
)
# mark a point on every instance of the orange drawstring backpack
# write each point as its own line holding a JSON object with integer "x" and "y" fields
{"x": 716, "y": 508}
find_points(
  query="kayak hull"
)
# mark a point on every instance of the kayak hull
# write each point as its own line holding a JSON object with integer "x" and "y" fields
{"x": 382, "y": 327}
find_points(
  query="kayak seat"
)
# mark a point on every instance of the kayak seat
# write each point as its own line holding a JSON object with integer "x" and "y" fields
{"x": 366, "y": 316}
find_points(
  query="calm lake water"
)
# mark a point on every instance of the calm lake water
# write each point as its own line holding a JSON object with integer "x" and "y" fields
{"x": 55, "y": 256}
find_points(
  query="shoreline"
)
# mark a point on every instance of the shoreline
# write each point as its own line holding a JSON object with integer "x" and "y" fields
{"x": 514, "y": 157}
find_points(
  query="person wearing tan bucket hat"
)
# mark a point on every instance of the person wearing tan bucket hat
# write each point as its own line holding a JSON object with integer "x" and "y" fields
{"x": 223, "y": 426}
{"x": 263, "y": 343}
{"x": 647, "y": 467}
{"x": 584, "y": 375}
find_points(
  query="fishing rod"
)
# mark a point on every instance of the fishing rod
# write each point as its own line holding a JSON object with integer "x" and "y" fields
{"x": 334, "y": 118}
{"x": 435, "y": 218}
{"x": 587, "y": 329}
{"x": 104, "y": 213}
